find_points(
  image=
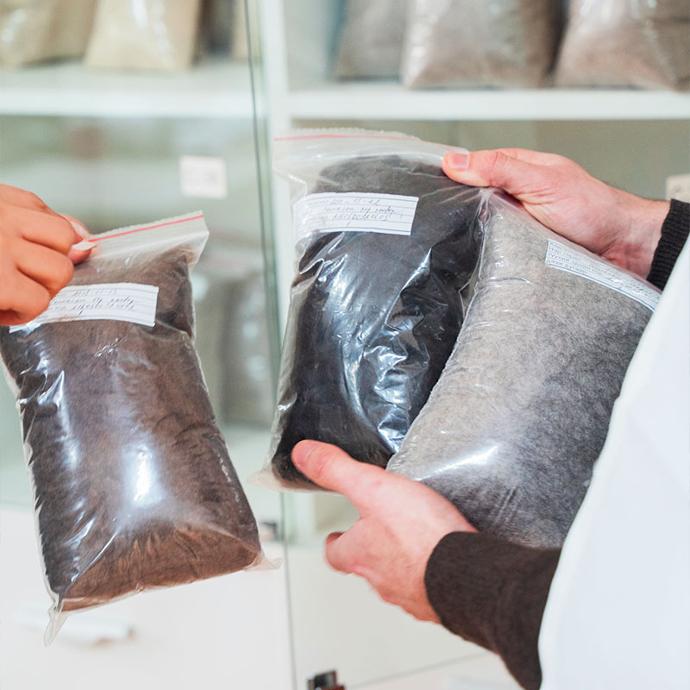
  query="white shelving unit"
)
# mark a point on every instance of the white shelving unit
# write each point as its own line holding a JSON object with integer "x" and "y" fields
{"x": 386, "y": 101}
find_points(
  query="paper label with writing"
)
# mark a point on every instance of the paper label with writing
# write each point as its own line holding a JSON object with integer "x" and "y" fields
{"x": 390, "y": 214}
{"x": 108, "y": 301}
{"x": 566, "y": 259}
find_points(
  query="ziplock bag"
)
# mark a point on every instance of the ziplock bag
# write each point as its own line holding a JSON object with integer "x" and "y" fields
{"x": 133, "y": 486}
{"x": 463, "y": 43}
{"x": 371, "y": 39}
{"x": 644, "y": 43}
{"x": 145, "y": 34}
{"x": 36, "y": 30}
{"x": 385, "y": 243}
{"x": 513, "y": 427}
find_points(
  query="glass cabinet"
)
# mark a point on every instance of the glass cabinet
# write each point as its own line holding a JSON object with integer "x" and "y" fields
{"x": 116, "y": 146}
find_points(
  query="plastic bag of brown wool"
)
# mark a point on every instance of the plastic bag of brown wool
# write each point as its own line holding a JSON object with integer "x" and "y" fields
{"x": 133, "y": 486}
{"x": 519, "y": 416}
{"x": 385, "y": 242}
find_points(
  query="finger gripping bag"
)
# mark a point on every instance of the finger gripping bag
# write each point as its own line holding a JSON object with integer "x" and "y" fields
{"x": 133, "y": 486}
{"x": 385, "y": 243}
{"x": 640, "y": 43}
{"x": 515, "y": 423}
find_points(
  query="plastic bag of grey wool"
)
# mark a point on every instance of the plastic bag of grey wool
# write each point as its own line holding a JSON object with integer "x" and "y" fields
{"x": 385, "y": 243}
{"x": 639, "y": 43}
{"x": 512, "y": 429}
{"x": 493, "y": 43}
{"x": 371, "y": 39}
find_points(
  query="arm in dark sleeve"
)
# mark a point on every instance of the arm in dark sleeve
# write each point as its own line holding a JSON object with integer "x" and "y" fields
{"x": 493, "y": 593}
{"x": 674, "y": 234}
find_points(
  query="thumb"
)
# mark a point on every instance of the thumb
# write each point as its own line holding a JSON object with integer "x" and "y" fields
{"x": 494, "y": 169}
{"x": 333, "y": 469}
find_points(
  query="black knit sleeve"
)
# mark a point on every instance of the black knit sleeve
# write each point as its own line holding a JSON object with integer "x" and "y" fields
{"x": 493, "y": 593}
{"x": 674, "y": 234}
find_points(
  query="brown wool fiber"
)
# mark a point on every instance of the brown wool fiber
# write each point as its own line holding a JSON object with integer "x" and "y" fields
{"x": 132, "y": 481}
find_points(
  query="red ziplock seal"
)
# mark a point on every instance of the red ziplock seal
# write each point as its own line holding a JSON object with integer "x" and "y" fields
{"x": 145, "y": 228}
{"x": 335, "y": 135}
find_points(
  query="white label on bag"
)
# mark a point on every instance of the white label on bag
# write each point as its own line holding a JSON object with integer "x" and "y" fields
{"x": 390, "y": 214}
{"x": 108, "y": 301}
{"x": 566, "y": 259}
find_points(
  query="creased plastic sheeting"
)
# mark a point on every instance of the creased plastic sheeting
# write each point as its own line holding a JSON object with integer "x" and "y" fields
{"x": 133, "y": 486}
{"x": 453, "y": 43}
{"x": 145, "y": 34}
{"x": 371, "y": 39}
{"x": 643, "y": 43}
{"x": 520, "y": 414}
{"x": 37, "y": 30}
{"x": 373, "y": 317}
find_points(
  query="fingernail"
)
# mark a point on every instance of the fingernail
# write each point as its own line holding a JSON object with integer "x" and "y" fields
{"x": 79, "y": 229}
{"x": 458, "y": 160}
{"x": 84, "y": 246}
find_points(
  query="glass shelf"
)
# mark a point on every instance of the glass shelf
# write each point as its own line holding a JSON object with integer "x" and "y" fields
{"x": 212, "y": 89}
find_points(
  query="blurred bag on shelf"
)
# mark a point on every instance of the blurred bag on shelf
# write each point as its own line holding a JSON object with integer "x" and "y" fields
{"x": 371, "y": 39}
{"x": 513, "y": 427}
{"x": 144, "y": 34}
{"x": 640, "y": 43}
{"x": 232, "y": 334}
{"x": 240, "y": 42}
{"x": 133, "y": 485}
{"x": 465, "y": 43}
{"x": 223, "y": 28}
{"x": 39, "y": 30}
{"x": 217, "y": 26}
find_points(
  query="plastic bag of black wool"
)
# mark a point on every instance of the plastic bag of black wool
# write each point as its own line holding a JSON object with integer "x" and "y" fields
{"x": 516, "y": 422}
{"x": 133, "y": 486}
{"x": 385, "y": 244}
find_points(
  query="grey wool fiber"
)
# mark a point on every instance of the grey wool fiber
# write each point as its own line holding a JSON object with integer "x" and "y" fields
{"x": 520, "y": 413}
{"x": 371, "y": 40}
{"x": 639, "y": 43}
{"x": 465, "y": 43}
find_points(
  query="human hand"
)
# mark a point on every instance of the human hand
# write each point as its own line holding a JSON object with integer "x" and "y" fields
{"x": 621, "y": 227}
{"x": 36, "y": 254}
{"x": 401, "y": 522}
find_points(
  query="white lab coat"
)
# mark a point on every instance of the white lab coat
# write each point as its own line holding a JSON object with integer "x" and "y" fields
{"x": 618, "y": 614}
